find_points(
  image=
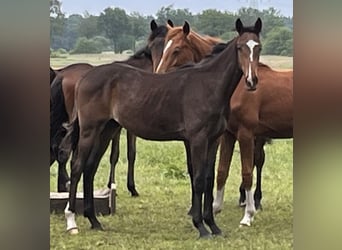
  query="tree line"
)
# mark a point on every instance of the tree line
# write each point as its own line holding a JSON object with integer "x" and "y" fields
{"x": 115, "y": 30}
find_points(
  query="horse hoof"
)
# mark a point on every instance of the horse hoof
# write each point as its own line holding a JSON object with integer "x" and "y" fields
{"x": 205, "y": 236}
{"x": 98, "y": 228}
{"x": 73, "y": 231}
{"x": 217, "y": 211}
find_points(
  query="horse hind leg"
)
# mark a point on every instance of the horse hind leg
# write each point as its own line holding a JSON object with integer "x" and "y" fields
{"x": 259, "y": 160}
{"x": 208, "y": 194}
{"x": 131, "y": 153}
{"x": 101, "y": 138}
{"x": 199, "y": 158}
{"x": 226, "y": 153}
{"x": 63, "y": 181}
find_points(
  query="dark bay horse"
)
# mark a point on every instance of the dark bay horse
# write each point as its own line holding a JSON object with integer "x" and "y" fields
{"x": 183, "y": 46}
{"x": 188, "y": 104}
{"x": 62, "y": 104}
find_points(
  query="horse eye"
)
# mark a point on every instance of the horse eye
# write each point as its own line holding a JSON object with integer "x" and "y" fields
{"x": 239, "y": 46}
{"x": 176, "y": 51}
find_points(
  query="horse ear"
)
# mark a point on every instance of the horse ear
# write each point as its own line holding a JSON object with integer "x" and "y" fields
{"x": 258, "y": 25}
{"x": 238, "y": 26}
{"x": 169, "y": 22}
{"x": 153, "y": 25}
{"x": 186, "y": 28}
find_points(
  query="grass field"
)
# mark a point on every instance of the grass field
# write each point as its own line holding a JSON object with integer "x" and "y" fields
{"x": 157, "y": 219}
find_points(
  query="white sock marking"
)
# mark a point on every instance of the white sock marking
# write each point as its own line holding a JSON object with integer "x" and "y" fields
{"x": 249, "y": 210}
{"x": 218, "y": 202}
{"x": 70, "y": 217}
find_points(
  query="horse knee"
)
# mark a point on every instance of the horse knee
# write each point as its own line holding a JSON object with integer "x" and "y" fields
{"x": 247, "y": 181}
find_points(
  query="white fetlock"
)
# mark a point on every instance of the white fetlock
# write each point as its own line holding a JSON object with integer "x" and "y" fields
{"x": 218, "y": 202}
{"x": 71, "y": 223}
{"x": 217, "y": 208}
{"x": 242, "y": 204}
{"x": 249, "y": 210}
{"x": 246, "y": 220}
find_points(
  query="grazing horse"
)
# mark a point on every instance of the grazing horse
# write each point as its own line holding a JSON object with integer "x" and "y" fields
{"x": 188, "y": 104}
{"x": 62, "y": 99}
{"x": 181, "y": 47}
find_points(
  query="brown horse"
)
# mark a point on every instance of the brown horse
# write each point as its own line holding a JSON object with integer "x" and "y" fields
{"x": 265, "y": 113}
{"x": 62, "y": 104}
{"x": 188, "y": 104}
{"x": 183, "y": 46}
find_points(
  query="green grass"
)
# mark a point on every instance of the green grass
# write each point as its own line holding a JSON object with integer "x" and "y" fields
{"x": 157, "y": 219}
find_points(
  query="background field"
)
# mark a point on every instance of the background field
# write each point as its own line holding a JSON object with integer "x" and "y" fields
{"x": 158, "y": 219}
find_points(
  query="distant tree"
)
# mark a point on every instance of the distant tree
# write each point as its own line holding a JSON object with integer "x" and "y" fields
{"x": 84, "y": 45}
{"x": 178, "y": 16}
{"x": 88, "y": 26}
{"x": 214, "y": 22}
{"x": 114, "y": 23}
{"x": 279, "y": 41}
{"x": 139, "y": 28}
{"x": 270, "y": 18}
{"x": 71, "y": 31}
{"x": 57, "y": 22}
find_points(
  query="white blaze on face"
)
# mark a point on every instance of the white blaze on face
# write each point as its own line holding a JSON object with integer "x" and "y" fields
{"x": 250, "y": 44}
{"x": 168, "y": 44}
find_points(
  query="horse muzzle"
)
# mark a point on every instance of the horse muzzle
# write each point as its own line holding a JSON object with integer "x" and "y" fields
{"x": 251, "y": 83}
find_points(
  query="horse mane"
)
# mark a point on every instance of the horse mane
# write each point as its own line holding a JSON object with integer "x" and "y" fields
{"x": 142, "y": 53}
{"x": 217, "y": 49}
{"x": 200, "y": 44}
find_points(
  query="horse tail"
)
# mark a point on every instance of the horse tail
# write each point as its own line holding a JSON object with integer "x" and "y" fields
{"x": 70, "y": 140}
{"x": 58, "y": 113}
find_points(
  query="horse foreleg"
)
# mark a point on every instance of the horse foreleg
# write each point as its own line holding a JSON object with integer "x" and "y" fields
{"x": 259, "y": 160}
{"x": 77, "y": 163}
{"x": 246, "y": 142}
{"x": 63, "y": 182}
{"x": 131, "y": 153}
{"x": 226, "y": 153}
{"x": 199, "y": 160}
{"x": 208, "y": 195}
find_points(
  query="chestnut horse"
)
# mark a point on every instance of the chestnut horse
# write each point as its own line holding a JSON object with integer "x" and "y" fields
{"x": 160, "y": 107}
{"x": 181, "y": 47}
{"x": 62, "y": 104}
{"x": 266, "y": 113}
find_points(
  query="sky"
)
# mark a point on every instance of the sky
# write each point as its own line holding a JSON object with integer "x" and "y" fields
{"x": 144, "y": 7}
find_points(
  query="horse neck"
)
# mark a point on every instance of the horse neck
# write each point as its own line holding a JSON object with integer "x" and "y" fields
{"x": 227, "y": 70}
{"x": 142, "y": 62}
{"x": 200, "y": 46}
